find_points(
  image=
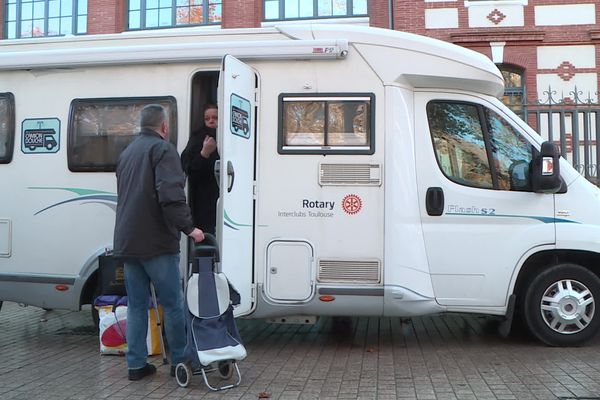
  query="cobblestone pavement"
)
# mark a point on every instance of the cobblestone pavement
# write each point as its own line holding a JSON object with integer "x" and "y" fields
{"x": 55, "y": 355}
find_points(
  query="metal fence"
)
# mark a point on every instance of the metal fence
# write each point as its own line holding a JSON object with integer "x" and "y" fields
{"x": 572, "y": 121}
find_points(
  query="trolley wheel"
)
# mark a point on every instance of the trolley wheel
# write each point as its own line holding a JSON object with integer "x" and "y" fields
{"x": 225, "y": 369}
{"x": 183, "y": 374}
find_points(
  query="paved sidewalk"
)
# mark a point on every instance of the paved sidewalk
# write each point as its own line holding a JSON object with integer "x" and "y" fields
{"x": 54, "y": 355}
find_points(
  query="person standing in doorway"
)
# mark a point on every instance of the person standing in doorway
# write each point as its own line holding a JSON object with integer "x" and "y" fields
{"x": 198, "y": 161}
{"x": 151, "y": 213}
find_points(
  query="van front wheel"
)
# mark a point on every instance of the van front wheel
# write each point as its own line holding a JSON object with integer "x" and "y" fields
{"x": 560, "y": 305}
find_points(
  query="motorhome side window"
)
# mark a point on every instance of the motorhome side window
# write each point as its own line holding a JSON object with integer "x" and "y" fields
{"x": 475, "y": 146}
{"x": 7, "y": 127}
{"x": 99, "y": 129}
{"x": 326, "y": 124}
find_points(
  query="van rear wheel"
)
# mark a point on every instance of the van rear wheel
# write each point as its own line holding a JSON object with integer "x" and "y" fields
{"x": 560, "y": 305}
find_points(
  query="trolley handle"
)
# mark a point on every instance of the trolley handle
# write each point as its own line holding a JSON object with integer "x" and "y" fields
{"x": 208, "y": 245}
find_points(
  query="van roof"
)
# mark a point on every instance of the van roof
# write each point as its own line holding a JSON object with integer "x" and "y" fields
{"x": 413, "y": 60}
{"x": 398, "y": 58}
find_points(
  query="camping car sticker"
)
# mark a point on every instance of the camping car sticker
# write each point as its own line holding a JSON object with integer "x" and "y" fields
{"x": 240, "y": 116}
{"x": 350, "y": 204}
{"x": 40, "y": 135}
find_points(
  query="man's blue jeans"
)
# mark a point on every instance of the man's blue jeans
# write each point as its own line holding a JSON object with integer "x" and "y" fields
{"x": 163, "y": 270}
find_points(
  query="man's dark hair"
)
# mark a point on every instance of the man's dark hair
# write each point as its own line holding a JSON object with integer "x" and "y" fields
{"x": 152, "y": 116}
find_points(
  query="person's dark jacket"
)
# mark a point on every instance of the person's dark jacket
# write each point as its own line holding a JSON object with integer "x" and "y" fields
{"x": 151, "y": 204}
{"x": 204, "y": 189}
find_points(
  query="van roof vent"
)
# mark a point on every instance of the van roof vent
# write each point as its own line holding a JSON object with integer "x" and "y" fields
{"x": 349, "y": 271}
{"x": 349, "y": 174}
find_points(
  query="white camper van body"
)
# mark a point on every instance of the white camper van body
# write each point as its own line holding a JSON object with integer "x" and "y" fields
{"x": 305, "y": 228}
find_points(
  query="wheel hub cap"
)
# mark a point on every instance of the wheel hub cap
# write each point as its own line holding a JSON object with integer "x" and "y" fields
{"x": 567, "y": 306}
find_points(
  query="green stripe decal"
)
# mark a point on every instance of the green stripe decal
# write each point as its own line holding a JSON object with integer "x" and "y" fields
{"x": 83, "y": 196}
{"x": 230, "y": 221}
{"x": 77, "y": 191}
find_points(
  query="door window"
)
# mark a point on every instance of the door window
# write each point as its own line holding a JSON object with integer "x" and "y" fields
{"x": 511, "y": 153}
{"x": 474, "y": 146}
{"x": 459, "y": 143}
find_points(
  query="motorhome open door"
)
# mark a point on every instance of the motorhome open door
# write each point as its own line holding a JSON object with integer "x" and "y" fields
{"x": 235, "y": 211}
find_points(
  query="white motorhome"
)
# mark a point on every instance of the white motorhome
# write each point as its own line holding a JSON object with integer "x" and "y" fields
{"x": 363, "y": 172}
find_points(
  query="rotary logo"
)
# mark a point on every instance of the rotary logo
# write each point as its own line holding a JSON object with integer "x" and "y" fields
{"x": 351, "y": 204}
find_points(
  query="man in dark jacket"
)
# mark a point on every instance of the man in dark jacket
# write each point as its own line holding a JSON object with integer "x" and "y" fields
{"x": 151, "y": 213}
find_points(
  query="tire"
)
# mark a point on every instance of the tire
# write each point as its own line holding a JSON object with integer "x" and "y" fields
{"x": 95, "y": 320}
{"x": 183, "y": 374}
{"x": 225, "y": 369}
{"x": 94, "y": 312}
{"x": 560, "y": 305}
{"x": 342, "y": 326}
{"x": 1, "y": 305}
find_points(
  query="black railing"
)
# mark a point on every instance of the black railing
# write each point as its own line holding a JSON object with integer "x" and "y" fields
{"x": 572, "y": 121}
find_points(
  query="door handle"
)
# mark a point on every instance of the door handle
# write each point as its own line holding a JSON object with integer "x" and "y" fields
{"x": 434, "y": 201}
{"x": 230, "y": 176}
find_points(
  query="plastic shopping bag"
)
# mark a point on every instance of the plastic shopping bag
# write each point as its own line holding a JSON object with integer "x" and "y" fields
{"x": 112, "y": 314}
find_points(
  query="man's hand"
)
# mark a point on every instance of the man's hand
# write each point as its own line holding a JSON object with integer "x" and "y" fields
{"x": 208, "y": 146}
{"x": 197, "y": 235}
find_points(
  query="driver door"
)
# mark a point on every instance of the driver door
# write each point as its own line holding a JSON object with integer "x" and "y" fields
{"x": 479, "y": 214}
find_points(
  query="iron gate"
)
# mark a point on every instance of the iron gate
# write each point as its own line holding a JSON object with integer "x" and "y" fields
{"x": 573, "y": 123}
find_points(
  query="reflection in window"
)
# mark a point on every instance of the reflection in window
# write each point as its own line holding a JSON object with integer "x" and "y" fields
{"x": 459, "y": 143}
{"x": 304, "y": 123}
{"x": 7, "y": 127}
{"x": 325, "y": 124}
{"x": 99, "y": 129}
{"x": 299, "y": 9}
{"x": 144, "y": 14}
{"x": 36, "y": 18}
{"x": 462, "y": 144}
{"x": 514, "y": 89}
{"x": 509, "y": 149}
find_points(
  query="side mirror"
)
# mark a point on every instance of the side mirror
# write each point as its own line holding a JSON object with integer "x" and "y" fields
{"x": 545, "y": 171}
{"x": 520, "y": 176}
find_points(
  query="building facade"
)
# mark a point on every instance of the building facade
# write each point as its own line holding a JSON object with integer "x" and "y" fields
{"x": 547, "y": 50}
{"x": 538, "y": 44}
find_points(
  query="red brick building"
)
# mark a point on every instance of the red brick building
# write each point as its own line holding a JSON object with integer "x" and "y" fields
{"x": 546, "y": 48}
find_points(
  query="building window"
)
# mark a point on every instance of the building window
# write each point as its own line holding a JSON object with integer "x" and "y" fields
{"x": 310, "y": 9}
{"x": 514, "y": 88}
{"x": 37, "y": 18}
{"x": 146, "y": 14}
